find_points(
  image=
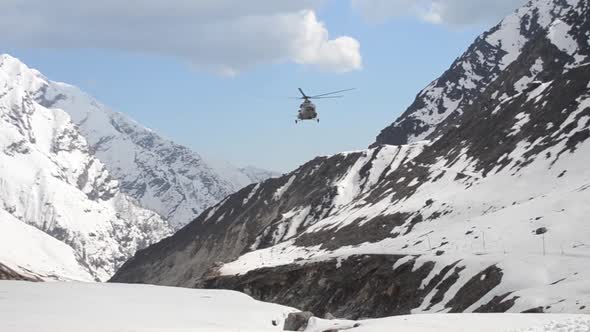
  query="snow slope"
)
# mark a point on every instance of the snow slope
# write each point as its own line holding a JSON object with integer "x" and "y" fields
{"x": 35, "y": 254}
{"x": 65, "y": 307}
{"x": 50, "y": 180}
{"x": 461, "y": 322}
{"x": 73, "y": 307}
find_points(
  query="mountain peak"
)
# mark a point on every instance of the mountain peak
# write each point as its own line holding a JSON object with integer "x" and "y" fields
{"x": 19, "y": 73}
{"x": 9, "y": 59}
{"x": 491, "y": 53}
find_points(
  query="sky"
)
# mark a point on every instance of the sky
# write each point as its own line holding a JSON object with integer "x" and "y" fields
{"x": 217, "y": 75}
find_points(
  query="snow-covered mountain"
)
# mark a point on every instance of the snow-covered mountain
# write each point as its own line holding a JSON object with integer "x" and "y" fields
{"x": 486, "y": 59}
{"x": 79, "y": 172}
{"x": 163, "y": 176}
{"x": 480, "y": 206}
{"x": 49, "y": 179}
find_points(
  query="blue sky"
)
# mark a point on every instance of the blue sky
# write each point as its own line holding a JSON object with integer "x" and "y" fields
{"x": 246, "y": 118}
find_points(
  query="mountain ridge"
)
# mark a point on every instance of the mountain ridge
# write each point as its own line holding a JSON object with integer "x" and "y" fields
{"x": 491, "y": 53}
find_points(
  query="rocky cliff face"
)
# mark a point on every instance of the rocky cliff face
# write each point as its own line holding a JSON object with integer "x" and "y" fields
{"x": 487, "y": 214}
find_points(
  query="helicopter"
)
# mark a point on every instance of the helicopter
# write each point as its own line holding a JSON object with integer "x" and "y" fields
{"x": 307, "y": 110}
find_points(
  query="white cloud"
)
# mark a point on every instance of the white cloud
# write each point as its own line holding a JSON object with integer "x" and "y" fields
{"x": 225, "y": 36}
{"x": 451, "y": 12}
{"x": 312, "y": 45}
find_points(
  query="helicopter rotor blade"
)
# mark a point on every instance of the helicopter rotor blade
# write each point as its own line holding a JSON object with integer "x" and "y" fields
{"x": 331, "y": 93}
{"x": 326, "y": 97}
{"x": 302, "y": 93}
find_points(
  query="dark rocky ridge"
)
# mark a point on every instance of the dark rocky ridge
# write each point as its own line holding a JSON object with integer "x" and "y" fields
{"x": 409, "y": 123}
{"x": 232, "y": 228}
{"x": 362, "y": 286}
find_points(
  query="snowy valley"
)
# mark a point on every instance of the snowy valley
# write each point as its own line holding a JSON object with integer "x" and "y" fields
{"x": 468, "y": 213}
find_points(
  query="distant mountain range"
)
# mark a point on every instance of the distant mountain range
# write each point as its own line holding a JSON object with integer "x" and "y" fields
{"x": 162, "y": 175}
{"x": 94, "y": 185}
{"x": 474, "y": 200}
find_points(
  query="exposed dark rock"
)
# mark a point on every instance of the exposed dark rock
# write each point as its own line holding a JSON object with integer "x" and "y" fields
{"x": 7, "y": 273}
{"x": 41, "y": 97}
{"x": 475, "y": 289}
{"x": 541, "y": 230}
{"x": 17, "y": 147}
{"x": 498, "y": 304}
{"x": 376, "y": 229}
{"x": 363, "y": 286}
{"x": 537, "y": 310}
{"x": 444, "y": 286}
{"x": 297, "y": 321}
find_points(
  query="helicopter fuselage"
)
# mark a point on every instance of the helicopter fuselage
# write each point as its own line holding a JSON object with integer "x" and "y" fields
{"x": 307, "y": 111}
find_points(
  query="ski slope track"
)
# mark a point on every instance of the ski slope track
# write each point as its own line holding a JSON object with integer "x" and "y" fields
{"x": 479, "y": 205}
